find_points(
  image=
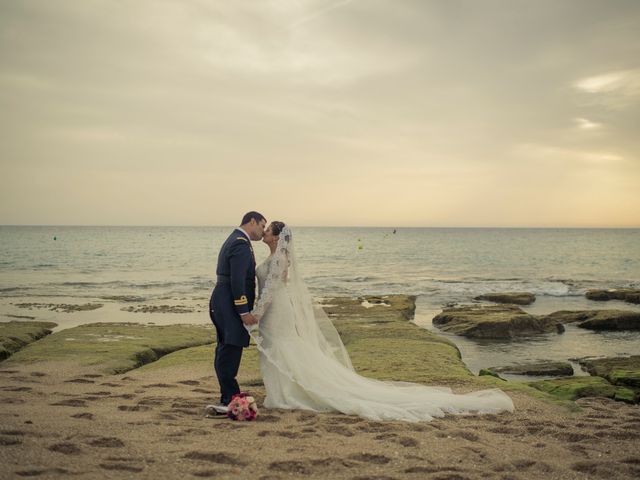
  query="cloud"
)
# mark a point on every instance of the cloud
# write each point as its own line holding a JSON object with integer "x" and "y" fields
{"x": 616, "y": 89}
{"x": 585, "y": 124}
{"x": 562, "y": 155}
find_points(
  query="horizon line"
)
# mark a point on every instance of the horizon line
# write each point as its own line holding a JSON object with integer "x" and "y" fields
{"x": 323, "y": 226}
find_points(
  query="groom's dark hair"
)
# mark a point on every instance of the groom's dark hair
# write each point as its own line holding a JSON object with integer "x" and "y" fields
{"x": 252, "y": 215}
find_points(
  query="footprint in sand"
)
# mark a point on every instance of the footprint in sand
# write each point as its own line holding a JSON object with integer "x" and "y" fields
{"x": 100, "y": 393}
{"x": 17, "y": 389}
{"x": 107, "y": 442}
{"x": 111, "y": 384}
{"x": 268, "y": 418}
{"x": 66, "y": 448}
{"x": 373, "y": 477}
{"x": 83, "y": 415}
{"x": 133, "y": 408}
{"x": 126, "y": 396}
{"x": 407, "y": 442}
{"x": 338, "y": 429}
{"x": 201, "y": 390}
{"x": 372, "y": 427}
{"x": 448, "y": 472}
{"x": 472, "y": 437}
{"x": 291, "y": 466}
{"x": 215, "y": 457}
{"x": 284, "y": 434}
{"x": 71, "y": 402}
{"x": 79, "y": 380}
{"x": 189, "y": 382}
{"x": 154, "y": 401}
{"x": 12, "y": 401}
{"x": 7, "y": 441}
{"x": 210, "y": 473}
{"x": 344, "y": 420}
{"x": 34, "y": 472}
{"x": 573, "y": 437}
{"x": 122, "y": 467}
{"x": 370, "y": 458}
{"x": 304, "y": 417}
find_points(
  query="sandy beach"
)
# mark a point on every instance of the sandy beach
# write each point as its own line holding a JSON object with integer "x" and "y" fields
{"x": 71, "y": 416}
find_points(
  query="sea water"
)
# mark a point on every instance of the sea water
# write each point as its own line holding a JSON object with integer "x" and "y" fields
{"x": 122, "y": 268}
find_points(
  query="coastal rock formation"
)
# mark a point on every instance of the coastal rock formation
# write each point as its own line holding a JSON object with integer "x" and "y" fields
{"x": 624, "y": 371}
{"x": 371, "y": 307}
{"x": 114, "y": 347}
{"x": 517, "y": 298}
{"x": 16, "y": 335}
{"x": 158, "y": 309}
{"x": 572, "y": 388}
{"x": 631, "y": 295}
{"x": 493, "y": 321}
{"x": 61, "y": 307}
{"x": 551, "y": 369}
{"x": 599, "y": 319}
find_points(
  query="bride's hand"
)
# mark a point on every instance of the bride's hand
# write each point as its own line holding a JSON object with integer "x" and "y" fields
{"x": 249, "y": 319}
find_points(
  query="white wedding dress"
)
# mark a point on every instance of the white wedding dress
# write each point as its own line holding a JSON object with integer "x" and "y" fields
{"x": 305, "y": 365}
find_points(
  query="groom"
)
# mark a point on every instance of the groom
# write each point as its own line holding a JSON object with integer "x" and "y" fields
{"x": 231, "y": 302}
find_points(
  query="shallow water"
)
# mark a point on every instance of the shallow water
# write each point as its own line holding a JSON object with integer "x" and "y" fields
{"x": 124, "y": 266}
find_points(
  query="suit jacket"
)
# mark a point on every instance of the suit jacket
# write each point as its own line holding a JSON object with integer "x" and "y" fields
{"x": 235, "y": 289}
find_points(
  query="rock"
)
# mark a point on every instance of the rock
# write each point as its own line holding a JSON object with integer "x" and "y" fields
{"x": 631, "y": 295}
{"x": 493, "y": 321}
{"x": 15, "y": 335}
{"x": 371, "y": 307}
{"x": 518, "y": 298}
{"x": 158, "y": 309}
{"x": 599, "y": 319}
{"x": 485, "y": 371}
{"x": 114, "y": 347}
{"x": 623, "y": 371}
{"x": 572, "y": 388}
{"x": 551, "y": 369}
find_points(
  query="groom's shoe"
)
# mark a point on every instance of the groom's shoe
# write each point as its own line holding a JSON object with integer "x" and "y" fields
{"x": 216, "y": 410}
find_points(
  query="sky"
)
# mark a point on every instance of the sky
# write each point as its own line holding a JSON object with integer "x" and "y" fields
{"x": 475, "y": 113}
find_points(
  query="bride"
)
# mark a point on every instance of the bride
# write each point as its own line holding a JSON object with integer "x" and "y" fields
{"x": 305, "y": 365}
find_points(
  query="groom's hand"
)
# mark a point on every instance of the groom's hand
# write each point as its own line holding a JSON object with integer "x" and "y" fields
{"x": 248, "y": 319}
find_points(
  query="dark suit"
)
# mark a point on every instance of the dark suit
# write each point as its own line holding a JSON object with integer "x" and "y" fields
{"x": 233, "y": 295}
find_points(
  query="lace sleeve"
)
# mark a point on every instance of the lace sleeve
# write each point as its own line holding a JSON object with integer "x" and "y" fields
{"x": 276, "y": 277}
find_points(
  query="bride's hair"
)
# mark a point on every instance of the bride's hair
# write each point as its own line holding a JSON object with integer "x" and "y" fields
{"x": 276, "y": 227}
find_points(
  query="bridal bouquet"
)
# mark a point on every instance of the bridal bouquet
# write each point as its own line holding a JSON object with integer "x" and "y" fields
{"x": 242, "y": 407}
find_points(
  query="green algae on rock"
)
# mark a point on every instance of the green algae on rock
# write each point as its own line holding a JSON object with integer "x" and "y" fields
{"x": 551, "y": 369}
{"x": 61, "y": 307}
{"x": 15, "y": 335}
{"x": 493, "y": 321}
{"x": 194, "y": 358}
{"x": 518, "y": 298}
{"x": 623, "y": 371}
{"x": 114, "y": 347}
{"x": 572, "y": 388}
{"x": 158, "y": 309}
{"x": 599, "y": 319}
{"x": 371, "y": 307}
{"x": 631, "y": 295}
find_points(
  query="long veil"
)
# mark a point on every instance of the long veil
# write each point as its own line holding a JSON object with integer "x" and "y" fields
{"x": 307, "y": 365}
{"x": 311, "y": 323}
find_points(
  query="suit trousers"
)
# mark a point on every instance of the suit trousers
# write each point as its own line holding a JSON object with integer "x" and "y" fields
{"x": 226, "y": 364}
